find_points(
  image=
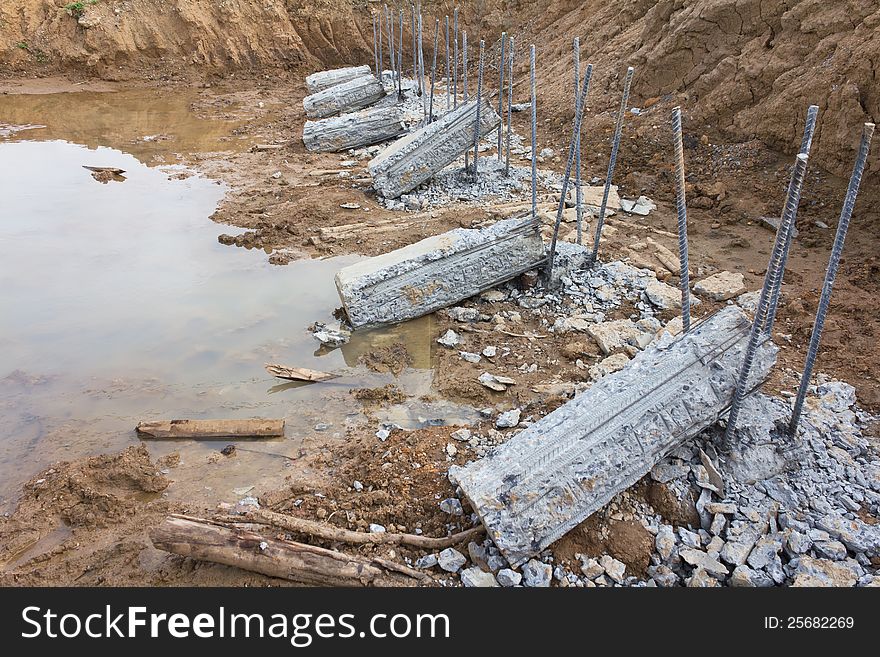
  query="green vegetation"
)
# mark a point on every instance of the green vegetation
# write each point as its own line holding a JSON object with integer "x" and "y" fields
{"x": 77, "y": 8}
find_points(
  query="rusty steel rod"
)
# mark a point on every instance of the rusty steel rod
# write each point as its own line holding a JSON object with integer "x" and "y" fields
{"x": 849, "y": 203}
{"x": 565, "y": 180}
{"x": 415, "y": 59}
{"x": 770, "y": 281}
{"x": 400, "y": 61}
{"x": 448, "y": 88}
{"x": 681, "y": 211}
{"x": 612, "y": 162}
{"x": 464, "y": 67}
{"x": 375, "y": 49}
{"x": 390, "y": 21}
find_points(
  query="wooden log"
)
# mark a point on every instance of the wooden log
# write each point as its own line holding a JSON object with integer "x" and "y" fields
{"x": 297, "y": 562}
{"x": 354, "y": 130}
{"x": 346, "y": 97}
{"x": 414, "y": 158}
{"x": 331, "y": 533}
{"x": 325, "y": 79}
{"x": 255, "y": 428}
{"x": 298, "y": 373}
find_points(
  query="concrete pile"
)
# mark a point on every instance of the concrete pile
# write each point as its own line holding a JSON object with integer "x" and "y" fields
{"x": 349, "y": 96}
{"x": 415, "y": 158}
{"x": 437, "y": 272}
{"x": 549, "y": 478}
{"x": 354, "y": 130}
{"x": 325, "y": 79}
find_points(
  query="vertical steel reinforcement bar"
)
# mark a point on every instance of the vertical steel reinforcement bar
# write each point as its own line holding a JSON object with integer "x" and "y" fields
{"x": 806, "y": 143}
{"x": 579, "y": 192}
{"x": 612, "y": 162}
{"x": 509, "y": 107}
{"x": 770, "y": 281}
{"x": 421, "y": 63}
{"x": 400, "y": 60}
{"x": 390, "y": 21}
{"x": 501, "y": 63}
{"x": 534, "y": 108}
{"x": 448, "y": 80}
{"x": 375, "y": 49}
{"x": 681, "y": 211}
{"x": 455, "y": 57}
{"x": 565, "y": 180}
{"x": 464, "y": 67}
{"x": 415, "y": 49}
{"x": 849, "y": 202}
{"x": 479, "y": 102}
{"x": 433, "y": 71}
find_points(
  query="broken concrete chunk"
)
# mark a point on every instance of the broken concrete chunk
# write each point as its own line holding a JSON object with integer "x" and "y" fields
{"x": 537, "y": 574}
{"x": 354, "y": 130}
{"x": 324, "y": 79}
{"x": 474, "y": 577}
{"x": 721, "y": 286}
{"x": 413, "y": 159}
{"x": 436, "y": 272}
{"x": 613, "y": 336}
{"x": 495, "y": 382}
{"x": 663, "y": 296}
{"x": 642, "y": 206}
{"x": 508, "y": 419}
{"x": 346, "y": 97}
{"x": 449, "y": 339}
{"x": 609, "y": 365}
{"x": 550, "y": 477}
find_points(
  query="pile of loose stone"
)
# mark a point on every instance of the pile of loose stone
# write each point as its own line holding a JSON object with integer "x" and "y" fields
{"x": 773, "y": 510}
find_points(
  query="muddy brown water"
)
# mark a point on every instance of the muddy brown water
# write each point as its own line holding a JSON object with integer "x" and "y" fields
{"x": 119, "y": 305}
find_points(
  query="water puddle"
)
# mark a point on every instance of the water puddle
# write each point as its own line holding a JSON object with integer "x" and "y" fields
{"x": 119, "y": 305}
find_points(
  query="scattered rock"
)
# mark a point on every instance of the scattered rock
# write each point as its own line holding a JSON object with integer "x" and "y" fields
{"x": 721, "y": 286}
{"x": 495, "y": 382}
{"x": 507, "y": 577}
{"x": 613, "y": 568}
{"x": 537, "y": 574}
{"x": 508, "y": 419}
{"x": 473, "y": 577}
{"x": 449, "y": 339}
{"x": 818, "y": 572}
{"x": 451, "y": 560}
{"x": 452, "y": 506}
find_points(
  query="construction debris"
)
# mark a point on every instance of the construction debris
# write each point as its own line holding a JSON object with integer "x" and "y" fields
{"x": 354, "y": 130}
{"x": 721, "y": 286}
{"x": 346, "y": 97}
{"x": 437, "y": 272}
{"x": 256, "y": 428}
{"x": 413, "y": 159}
{"x": 325, "y": 79}
{"x": 553, "y": 475}
{"x": 298, "y": 373}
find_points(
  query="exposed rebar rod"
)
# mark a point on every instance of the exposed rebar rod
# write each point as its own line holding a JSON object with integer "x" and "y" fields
{"x": 464, "y": 67}
{"x": 534, "y": 108}
{"x": 579, "y": 200}
{"x": 479, "y": 102}
{"x": 681, "y": 211}
{"x": 455, "y": 58}
{"x": 400, "y": 61}
{"x": 849, "y": 202}
{"x": 421, "y": 59}
{"x": 433, "y": 71}
{"x": 501, "y": 92}
{"x": 806, "y": 143}
{"x": 770, "y": 281}
{"x": 448, "y": 88}
{"x": 379, "y": 24}
{"x": 390, "y": 21}
{"x": 565, "y": 180}
{"x": 509, "y": 107}
{"x": 415, "y": 59}
{"x": 612, "y": 162}
{"x": 375, "y": 49}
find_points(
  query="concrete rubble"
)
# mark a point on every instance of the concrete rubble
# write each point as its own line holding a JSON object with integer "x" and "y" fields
{"x": 414, "y": 158}
{"x": 354, "y": 130}
{"x": 436, "y": 272}
{"x": 558, "y": 471}
{"x": 325, "y": 79}
{"x": 346, "y": 97}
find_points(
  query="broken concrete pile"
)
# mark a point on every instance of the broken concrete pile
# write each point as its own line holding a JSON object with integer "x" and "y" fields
{"x": 325, "y": 79}
{"x": 354, "y": 129}
{"x": 436, "y": 272}
{"x": 550, "y": 477}
{"x": 349, "y": 96}
{"x": 413, "y": 159}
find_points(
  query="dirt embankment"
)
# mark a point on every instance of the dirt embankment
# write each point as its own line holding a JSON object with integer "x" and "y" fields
{"x": 741, "y": 68}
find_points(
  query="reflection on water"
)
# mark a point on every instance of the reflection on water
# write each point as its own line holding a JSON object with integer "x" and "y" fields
{"x": 119, "y": 305}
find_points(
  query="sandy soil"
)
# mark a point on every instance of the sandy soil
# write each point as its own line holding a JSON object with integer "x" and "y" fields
{"x": 743, "y": 72}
